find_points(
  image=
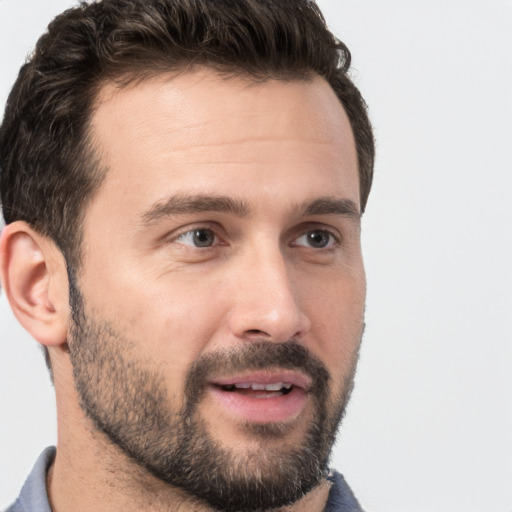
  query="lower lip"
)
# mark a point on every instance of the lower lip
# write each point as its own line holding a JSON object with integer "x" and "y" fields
{"x": 261, "y": 410}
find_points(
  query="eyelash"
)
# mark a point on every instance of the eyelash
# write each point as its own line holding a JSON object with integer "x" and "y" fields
{"x": 331, "y": 243}
{"x": 195, "y": 230}
{"x": 333, "y": 239}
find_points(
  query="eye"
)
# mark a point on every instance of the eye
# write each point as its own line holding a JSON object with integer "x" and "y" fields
{"x": 202, "y": 237}
{"x": 316, "y": 239}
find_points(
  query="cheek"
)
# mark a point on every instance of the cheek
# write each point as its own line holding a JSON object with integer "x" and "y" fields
{"x": 337, "y": 317}
{"x": 169, "y": 320}
{"x": 174, "y": 320}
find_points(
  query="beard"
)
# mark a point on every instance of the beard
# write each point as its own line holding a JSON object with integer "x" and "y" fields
{"x": 127, "y": 400}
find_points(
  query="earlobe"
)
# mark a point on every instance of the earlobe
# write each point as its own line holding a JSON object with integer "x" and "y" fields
{"x": 34, "y": 277}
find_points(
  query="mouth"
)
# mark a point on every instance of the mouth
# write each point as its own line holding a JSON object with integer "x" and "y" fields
{"x": 258, "y": 390}
{"x": 262, "y": 397}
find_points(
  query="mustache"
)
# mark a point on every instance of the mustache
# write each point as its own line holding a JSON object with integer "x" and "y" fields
{"x": 256, "y": 355}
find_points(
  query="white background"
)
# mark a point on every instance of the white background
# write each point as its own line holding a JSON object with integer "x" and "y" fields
{"x": 429, "y": 428}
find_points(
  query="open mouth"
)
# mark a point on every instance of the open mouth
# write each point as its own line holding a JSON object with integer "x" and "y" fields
{"x": 262, "y": 396}
{"x": 258, "y": 390}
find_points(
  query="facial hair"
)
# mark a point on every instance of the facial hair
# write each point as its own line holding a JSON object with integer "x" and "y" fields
{"x": 126, "y": 399}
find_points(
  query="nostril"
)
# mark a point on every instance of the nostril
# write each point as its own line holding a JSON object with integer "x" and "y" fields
{"x": 256, "y": 335}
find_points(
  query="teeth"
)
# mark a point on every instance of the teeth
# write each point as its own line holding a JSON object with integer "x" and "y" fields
{"x": 277, "y": 386}
{"x": 274, "y": 386}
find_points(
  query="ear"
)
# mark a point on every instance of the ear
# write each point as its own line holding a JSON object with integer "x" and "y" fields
{"x": 34, "y": 277}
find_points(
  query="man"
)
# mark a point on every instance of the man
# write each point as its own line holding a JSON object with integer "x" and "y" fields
{"x": 182, "y": 183}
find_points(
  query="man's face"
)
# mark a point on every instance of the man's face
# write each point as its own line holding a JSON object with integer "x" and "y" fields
{"x": 219, "y": 308}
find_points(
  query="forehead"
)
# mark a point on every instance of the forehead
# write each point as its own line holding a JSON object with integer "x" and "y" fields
{"x": 198, "y": 130}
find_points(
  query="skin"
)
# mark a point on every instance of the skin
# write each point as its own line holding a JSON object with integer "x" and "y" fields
{"x": 275, "y": 147}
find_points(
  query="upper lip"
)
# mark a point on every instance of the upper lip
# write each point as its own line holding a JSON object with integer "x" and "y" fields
{"x": 265, "y": 377}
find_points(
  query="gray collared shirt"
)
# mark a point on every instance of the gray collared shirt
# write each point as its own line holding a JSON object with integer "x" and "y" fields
{"x": 34, "y": 498}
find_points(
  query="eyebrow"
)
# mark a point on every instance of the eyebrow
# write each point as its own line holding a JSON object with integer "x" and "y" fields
{"x": 330, "y": 206}
{"x": 182, "y": 205}
{"x": 185, "y": 205}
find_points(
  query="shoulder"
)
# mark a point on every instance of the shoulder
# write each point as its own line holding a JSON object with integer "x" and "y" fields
{"x": 341, "y": 498}
{"x": 33, "y": 496}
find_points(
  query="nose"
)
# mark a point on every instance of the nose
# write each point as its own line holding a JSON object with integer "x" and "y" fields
{"x": 265, "y": 302}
